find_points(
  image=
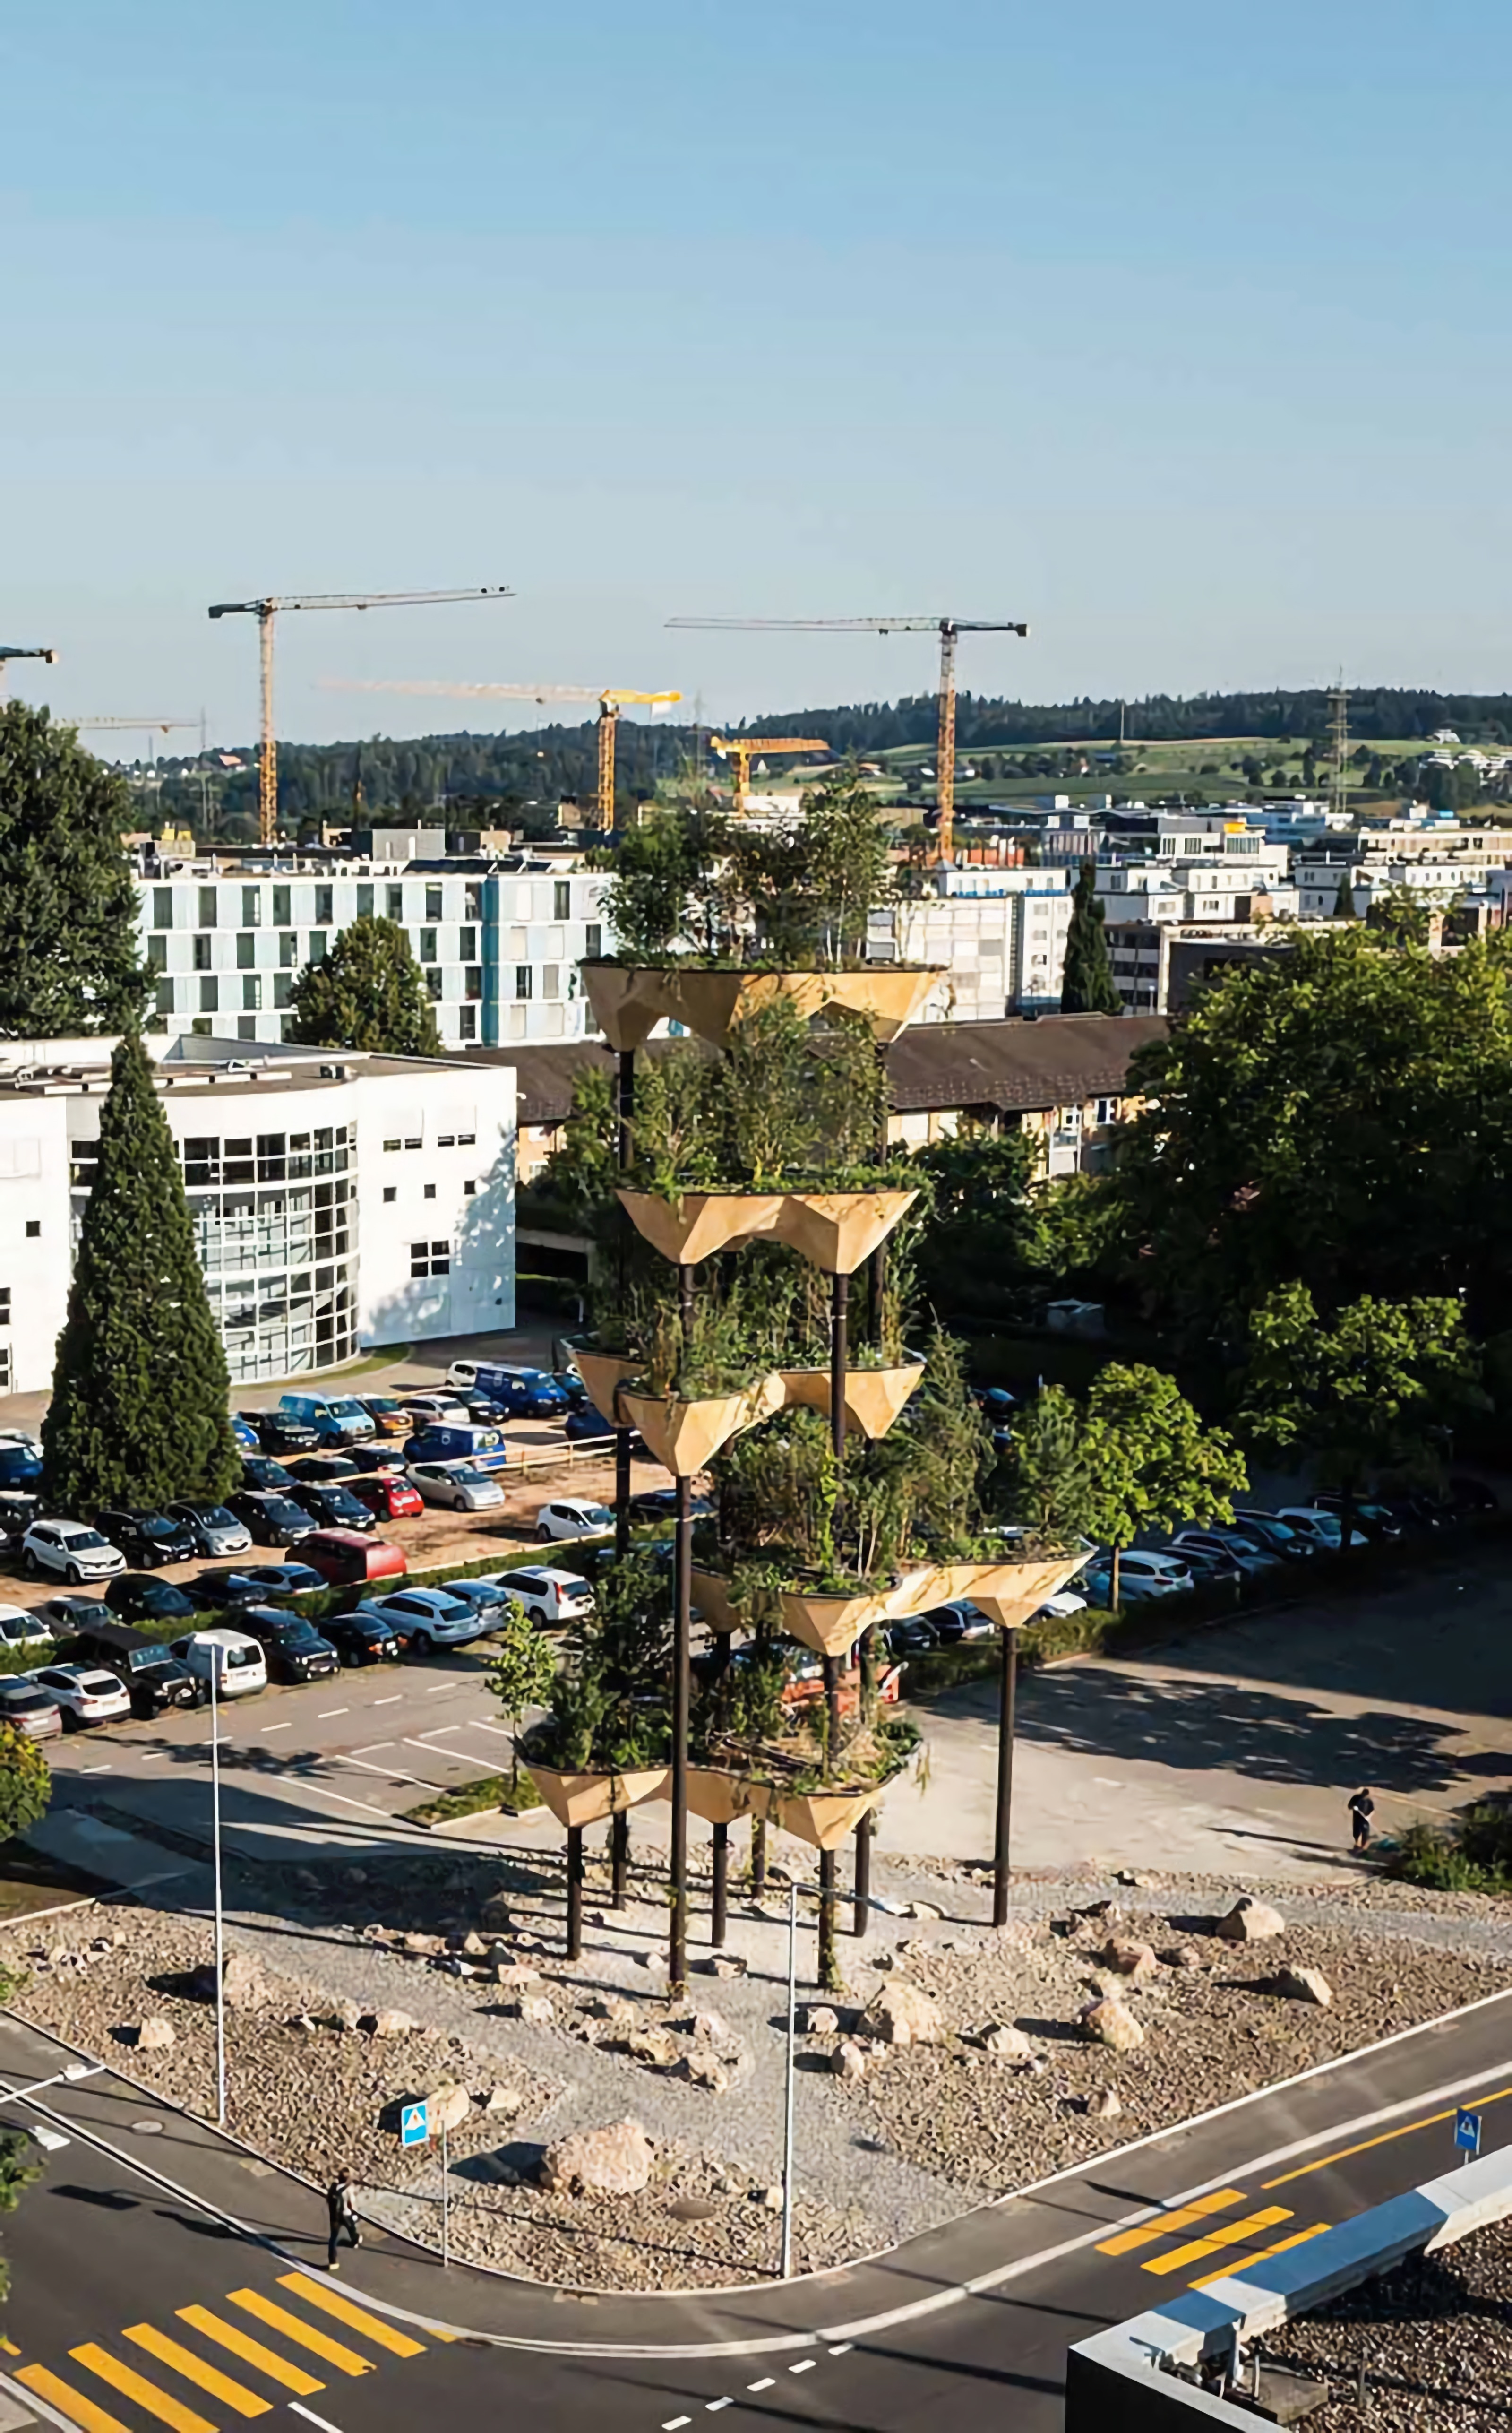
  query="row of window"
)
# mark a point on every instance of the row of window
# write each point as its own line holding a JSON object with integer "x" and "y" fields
{"x": 290, "y": 959}
{"x": 325, "y": 898}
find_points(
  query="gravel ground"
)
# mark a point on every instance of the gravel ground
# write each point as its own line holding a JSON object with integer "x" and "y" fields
{"x": 1435, "y": 2335}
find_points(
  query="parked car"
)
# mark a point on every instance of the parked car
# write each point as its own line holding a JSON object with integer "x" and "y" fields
{"x": 384, "y": 1455}
{"x": 326, "y": 1469}
{"x": 294, "y": 1649}
{"x": 60, "y": 1616}
{"x": 1469, "y": 1494}
{"x": 84, "y": 1693}
{"x": 1265, "y": 1529}
{"x": 483, "y": 1448}
{"x": 333, "y": 1416}
{"x": 1376, "y": 1519}
{"x": 18, "y": 1510}
{"x": 584, "y": 1425}
{"x": 281, "y": 1431}
{"x": 804, "y": 1676}
{"x": 71, "y": 1550}
{"x": 152, "y": 1677}
{"x": 489, "y": 1598}
{"x": 571, "y": 1516}
{"x": 244, "y": 1436}
{"x": 914, "y": 1636}
{"x": 1221, "y": 1567}
{"x": 573, "y": 1386}
{"x": 520, "y": 1393}
{"x": 362, "y": 1637}
{"x": 660, "y": 1504}
{"x": 1141, "y": 1574}
{"x": 457, "y": 1486}
{"x": 1325, "y": 1528}
{"x": 234, "y": 1660}
{"x": 959, "y": 1621}
{"x": 136, "y": 1597}
{"x": 481, "y": 1411}
{"x": 388, "y": 1498}
{"x": 258, "y": 1583}
{"x": 344, "y": 1558}
{"x": 1239, "y": 1551}
{"x": 440, "y": 1410}
{"x": 149, "y": 1538}
{"x": 273, "y": 1519}
{"x": 265, "y": 1476}
{"x": 389, "y": 1416}
{"x": 29, "y": 1708}
{"x": 431, "y": 1618}
{"x": 20, "y": 1465}
{"x": 1058, "y": 1608}
{"x": 550, "y": 1597}
{"x": 213, "y": 1529}
{"x": 333, "y": 1506}
{"x": 21, "y": 1626}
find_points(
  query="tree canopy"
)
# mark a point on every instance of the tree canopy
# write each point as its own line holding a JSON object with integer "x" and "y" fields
{"x": 1087, "y": 982}
{"x": 26, "y": 1782}
{"x": 370, "y": 991}
{"x": 69, "y": 965}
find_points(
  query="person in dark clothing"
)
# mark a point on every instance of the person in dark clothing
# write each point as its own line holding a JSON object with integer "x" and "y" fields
{"x": 1362, "y": 1807}
{"x": 343, "y": 2217}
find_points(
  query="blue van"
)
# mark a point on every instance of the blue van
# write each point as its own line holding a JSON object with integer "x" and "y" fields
{"x": 520, "y": 1393}
{"x": 484, "y": 1447}
{"x": 335, "y": 1418}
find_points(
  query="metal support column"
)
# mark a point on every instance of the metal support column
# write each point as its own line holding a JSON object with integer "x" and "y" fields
{"x": 574, "y": 1892}
{"x": 682, "y": 1663}
{"x": 829, "y": 1976}
{"x": 1008, "y": 1690}
{"x": 619, "y": 1856}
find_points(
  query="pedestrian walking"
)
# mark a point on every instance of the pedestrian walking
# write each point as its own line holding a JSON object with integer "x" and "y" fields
{"x": 1362, "y": 1807}
{"x": 343, "y": 2217}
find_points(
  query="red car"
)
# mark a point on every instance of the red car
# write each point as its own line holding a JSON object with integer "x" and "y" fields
{"x": 392, "y": 1498}
{"x": 347, "y": 1557}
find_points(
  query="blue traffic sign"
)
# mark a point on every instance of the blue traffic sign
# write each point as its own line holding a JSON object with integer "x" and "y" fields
{"x": 1468, "y": 2132}
{"x": 413, "y": 2124}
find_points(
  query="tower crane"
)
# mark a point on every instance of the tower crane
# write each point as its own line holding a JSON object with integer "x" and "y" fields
{"x": 743, "y": 749}
{"x": 948, "y": 629}
{"x": 265, "y": 610}
{"x": 9, "y": 651}
{"x": 610, "y": 700}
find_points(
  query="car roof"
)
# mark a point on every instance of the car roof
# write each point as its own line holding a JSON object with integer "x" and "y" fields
{"x": 224, "y": 1635}
{"x": 340, "y": 1537}
{"x": 119, "y": 1634}
{"x": 554, "y": 1572}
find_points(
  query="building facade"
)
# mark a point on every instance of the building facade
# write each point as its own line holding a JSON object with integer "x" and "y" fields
{"x": 998, "y": 933}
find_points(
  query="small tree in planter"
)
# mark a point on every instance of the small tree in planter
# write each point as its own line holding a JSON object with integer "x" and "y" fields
{"x": 522, "y": 1674}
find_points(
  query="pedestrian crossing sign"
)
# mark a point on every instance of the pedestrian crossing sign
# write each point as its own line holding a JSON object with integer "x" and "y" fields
{"x": 1468, "y": 2130}
{"x": 413, "y": 2124}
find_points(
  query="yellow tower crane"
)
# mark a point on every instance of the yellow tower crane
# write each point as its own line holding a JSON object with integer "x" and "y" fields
{"x": 743, "y": 749}
{"x": 265, "y": 611}
{"x": 610, "y": 705}
{"x": 948, "y": 628}
{"x": 9, "y": 651}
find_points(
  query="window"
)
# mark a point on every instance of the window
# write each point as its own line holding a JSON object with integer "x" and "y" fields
{"x": 282, "y": 907}
{"x": 364, "y": 904}
{"x": 156, "y": 954}
{"x": 207, "y": 907}
{"x": 467, "y": 1022}
{"x": 318, "y": 945}
{"x": 552, "y": 980}
{"x": 83, "y": 1158}
{"x": 432, "y": 985}
{"x": 164, "y": 1000}
{"x": 283, "y": 990}
{"x": 34, "y": 1232}
{"x": 163, "y": 908}
{"x": 432, "y": 903}
{"x": 246, "y": 1025}
{"x": 324, "y": 904}
{"x": 593, "y": 941}
{"x": 467, "y": 945}
{"x": 430, "y": 1259}
{"x": 430, "y": 1191}
{"x": 524, "y": 982}
{"x": 472, "y": 984}
{"x": 468, "y": 1190}
{"x": 246, "y": 950}
{"x": 562, "y": 900}
{"x": 209, "y": 996}
{"x": 428, "y": 945}
{"x": 5, "y": 1306}
{"x": 1107, "y": 1111}
{"x": 394, "y": 896}
{"x": 251, "y": 908}
{"x": 252, "y": 992}
{"x": 472, "y": 899}
{"x": 390, "y": 1192}
{"x": 202, "y": 953}
{"x": 288, "y": 949}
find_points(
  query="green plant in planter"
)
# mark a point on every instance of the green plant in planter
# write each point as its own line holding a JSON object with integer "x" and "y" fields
{"x": 609, "y": 1710}
{"x": 668, "y": 891}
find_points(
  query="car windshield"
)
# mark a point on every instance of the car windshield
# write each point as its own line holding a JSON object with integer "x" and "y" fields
{"x": 572, "y": 1585}
{"x": 466, "y": 1476}
{"x": 84, "y": 1538}
{"x": 385, "y": 1403}
{"x": 214, "y": 1516}
{"x": 279, "y": 1508}
{"x": 348, "y": 1408}
{"x": 598, "y": 1513}
{"x": 159, "y": 1528}
{"x": 144, "y": 1660}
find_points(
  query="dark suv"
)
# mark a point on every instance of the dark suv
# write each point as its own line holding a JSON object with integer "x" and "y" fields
{"x": 152, "y": 1676}
{"x": 281, "y": 1431}
{"x": 335, "y": 1506}
{"x": 136, "y": 1597}
{"x": 295, "y": 1649}
{"x": 149, "y": 1538}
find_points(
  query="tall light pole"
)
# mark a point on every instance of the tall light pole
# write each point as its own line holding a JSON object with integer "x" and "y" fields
{"x": 788, "y": 2091}
{"x": 220, "y": 1916}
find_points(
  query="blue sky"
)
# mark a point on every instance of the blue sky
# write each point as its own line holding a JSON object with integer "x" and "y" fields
{"x": 1182, "y": 332}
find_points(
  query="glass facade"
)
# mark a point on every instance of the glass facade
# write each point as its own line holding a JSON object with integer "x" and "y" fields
{"x": 274, "y": 1216}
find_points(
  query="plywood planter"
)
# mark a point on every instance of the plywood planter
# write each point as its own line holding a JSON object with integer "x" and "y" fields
{"x": 601, "y": 1372}
{"x": 823, "y": 1818}
{"x": 829, "y": 1624}
{"x": 1006, "y": 1593}
{"x": 721, "y": 1796}
{"x": 874, "y": 1397}
{"x": 577, "y": 1799}
{"x": 626, "y": 1003}
{"x": 701, "y": 1222}
{"x": 684, "y": 1436}
{"x": 711, "y": 1595}
{"x": 712, "y": 1003}
{"x": 838, "y": 1231}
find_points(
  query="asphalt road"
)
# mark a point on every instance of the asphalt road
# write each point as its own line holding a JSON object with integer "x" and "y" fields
{"x": 976, "y": 2313}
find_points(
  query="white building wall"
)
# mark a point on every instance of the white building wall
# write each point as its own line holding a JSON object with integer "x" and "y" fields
{"x": 435, "y": 1166}
{"x": 1000, "y": 935}
{"x": 35, "y": 1261}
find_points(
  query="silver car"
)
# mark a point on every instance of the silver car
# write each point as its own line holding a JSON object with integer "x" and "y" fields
{"x": 457, "y": 1484}
{"x": 217, "y": 1531}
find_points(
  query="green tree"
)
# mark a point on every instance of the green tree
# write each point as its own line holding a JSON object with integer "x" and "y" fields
{"x": 139, "y": 1410}
{"x": 1344, "y": 899}
{"x": 582, "y": 1171}
{"x": 1150, "y": 1462}
{"x": 1050, "y": 1485}
{"x": 26, "y": 1782}
{"x": 665, "y": 890}
{"x": 980, "y": 1226}
{"x": 19, "y": 2170}
{"x": 69, "y": 967}
{"x": 523, "y": 1673}
{"x": 1369, "y": 1396}
{"x": 1087, "y": 982}
{"x": 370, "y": 991}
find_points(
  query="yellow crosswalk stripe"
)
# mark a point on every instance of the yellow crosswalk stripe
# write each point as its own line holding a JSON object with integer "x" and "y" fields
{"x": 230, "y": 2335}
{"x": 1233, "y": 2234}
{"x": 346, "y": 2361}
{"x": 135, "y": 2385}
{"x": 10, "y": 2347}
{"x": 69, "y": 2403}
{"x": 1147, "y": 2232}
{"x": 356, "y": 2318}
{"x": 208, "y": 2377}
{"x": 1238, "y": 2266}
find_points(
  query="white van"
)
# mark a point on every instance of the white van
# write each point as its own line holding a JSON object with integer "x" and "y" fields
{"x": 238, "y": 1662}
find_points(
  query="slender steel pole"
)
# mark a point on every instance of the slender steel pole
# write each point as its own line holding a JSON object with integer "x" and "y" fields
{"x": 861, "y": 1914}
{"x": 829, "y": 1965}
{"x": 619, "y": 1855}
{"x": 720, "y": 1914}
{"x": 626, "y": 1108}
{"x": 446, "y": 2198}
{"x": 220, "y": 1913}
{"x": 621, "y": 1493}
{"x": 1008, "y": 1691}
{"x": 789, "y": 2080}
{"x": 574, "y": 1892}
{"x": 682, "y": 1684}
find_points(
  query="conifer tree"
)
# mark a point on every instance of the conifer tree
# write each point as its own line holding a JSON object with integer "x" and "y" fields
{"x": 1087, "y": 983}
{"x": 69, "y": 964}
{"x": 140, "y": 1409}
{"x": 369, "y": 992}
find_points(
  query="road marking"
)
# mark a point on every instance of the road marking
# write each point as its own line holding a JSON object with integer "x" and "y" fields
{"x": 845, "y": 2349}
{"x": 388, "y": 1702}
{"x": 136, "y": 2386}
{"x": 1147, "y": 2232}
{"x": 389, "y": 1773}
{"x": 1233, "y": 2234}
{"x": 1430, "y": 2120}
{"x": 314, "y": 2293}
{"x": 765, "y": 2384}
{"x": 345, "y": 2360}
{"x": 712, "y": 2406}
{"x": 208, "y": 2377}
{"x": 804, "y": 2365}
{"x": 675, "y": 2424}
{"x": 97, "y": 1769}
{"x": 368, "y": 1746}
{"x": 324, "y": 1714}
{"x": 147, "y": 1755}
{"x": 448, "y": 1690}
{"x": 1238, "y": 2266}
{"x": 311, "y": 2418}
{"x": 78, "y": 2409}
{"x": 320, "y": 1790}
{"x": 230, "y": 2335}
{"x": 276, "y": 1727}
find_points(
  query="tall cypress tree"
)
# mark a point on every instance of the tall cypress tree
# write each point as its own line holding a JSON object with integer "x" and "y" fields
{"x": 1087, "y": 983}
{"x": 69, "y": 964}
{"x": 139, "y": 1392}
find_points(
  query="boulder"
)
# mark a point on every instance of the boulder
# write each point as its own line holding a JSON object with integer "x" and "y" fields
{"x": 848, "y": 2059}
{"x": 1304, "y": 1985}
{"x": 612, "y": 2162}
{"x": 819, "y": 2020}
{"x": 446, "y": 2106}
{"x": 901, "y": 2014}
{"x": 244, "y": 1987}
{"x": 615, "y": 2008}
{"x": 1251, "y": 1921}
{"x": 1009, "y": 2044}
{"x": 725, "y": 1963}
{"x": 1134, "y": 1960}
{"x": 420, "y": 1947}
{"x": 711, "y": 2028}
{"x": 473, "y": 1946}
{"x": 515, "y": 1973}
{"x": 535, "y": 2008}
{"x": 347, "y": 2016}
{"x": 389, "y": 2024}
{"x": 1107, "y": 2022}
{"x": 505, "y": 2101}
{"x": 699, "y": 2068}
{"x": 770, "y": 2199}
{"x": 653, "y": 2047}
{"x": 154, "y": 2035}
{"x": 1106, "y": 2104}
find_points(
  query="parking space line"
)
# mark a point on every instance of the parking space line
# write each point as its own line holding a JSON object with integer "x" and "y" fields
{"x": 276, "y": 1727}
{"x": 389, "y": 1773}
{"x": 324, "y": 1714}
{"x": 368, "y": 1746}
{"x": 392, "y": 1701}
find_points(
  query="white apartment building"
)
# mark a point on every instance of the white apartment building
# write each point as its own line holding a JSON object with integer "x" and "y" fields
{"x": 339, "y": 1200}
{"x": 498, "y": 942}
{"x": 1000, "y": 933}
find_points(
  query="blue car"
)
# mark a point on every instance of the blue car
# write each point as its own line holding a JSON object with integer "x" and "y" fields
{"x": 248, "y": 1439}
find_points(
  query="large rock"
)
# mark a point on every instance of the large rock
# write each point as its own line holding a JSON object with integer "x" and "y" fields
{"x": 1251, "y": 1921}
{"x": 1108, "y": 2023}
{"x": 1304, "y": 1985}
{"x": 903, "y": 2014}
{"x": 654, "y": 2047}
{"x": 711, "y": 2028}
{"x": 447, "y": 2106}
{"x": 701, "y": 2067}
{"x": 612, "y": 2162}
{"x": 1009, "y": 2044}
{"x": 389, "y": 2024}
{"x": 155, "y": 2035}
{"x": 535, "y": 2008}
{"x": 515, "y": 1973}
{"x": 242, "y": 1983}
{"x": 1106, "y": 2104}
{"x": 819, "y": 2020}
{"x": 617, "y": 2009}
{"x": 1133, "y": 1960}
{"x": 847, "y": 2060}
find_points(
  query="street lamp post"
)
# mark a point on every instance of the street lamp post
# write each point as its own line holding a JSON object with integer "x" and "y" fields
{"x": 220, "y": 1916}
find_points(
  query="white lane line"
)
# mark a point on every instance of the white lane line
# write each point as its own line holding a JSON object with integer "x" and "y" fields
{"x": 389, "y": 1773}
{"x": 765, "y": 2383}
{"x": 845, "y": 2349}
{"x": 368, "y": 1746}
{"x": 388, "y": 1702}
{"x": 324, "y": 1714}
{"x": 342, "y": 1801}
{"x": 311, "y": 2418}
{"x": 147, "y": 1755}
{"x": 804, "y": 2365}
{"x": 276, "y": 1727}
{"x": 97, "y": 1769}
{"x": 712, "y": 2406}
{"x": 675, "y": 2424}
{"x": 449, "y": 1689}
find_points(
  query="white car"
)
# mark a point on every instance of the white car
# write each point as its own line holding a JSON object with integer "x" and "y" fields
{"x": 18, "y": 1628}
{"x": 1326, "y": 1529}
{"x": 437, "y": 1411}
{"x": 85, "y": 1695}
{"x": 549, "y": 1596}
{"x": 572, "y": 1515}
{"x": 457, "y": 1484}
{"x": 1064, "y": 1603}
{"x": 72, "y": 1548}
